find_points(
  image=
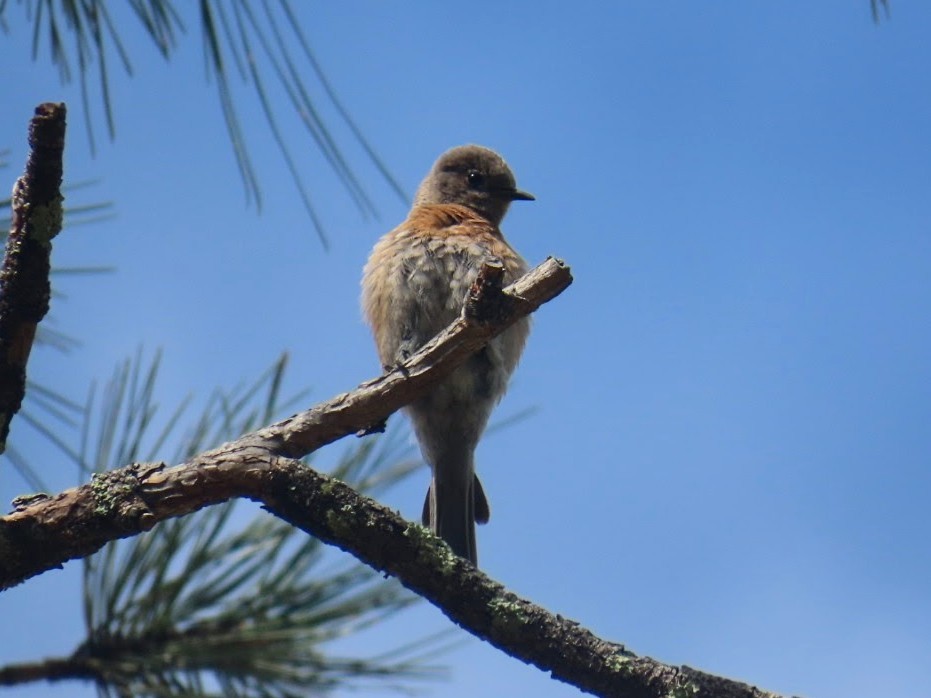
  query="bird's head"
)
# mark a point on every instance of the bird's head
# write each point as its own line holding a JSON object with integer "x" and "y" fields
{"x": 472, "y": 176}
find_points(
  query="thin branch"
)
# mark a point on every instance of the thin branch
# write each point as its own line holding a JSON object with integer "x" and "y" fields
{"x": 24, "y": 279}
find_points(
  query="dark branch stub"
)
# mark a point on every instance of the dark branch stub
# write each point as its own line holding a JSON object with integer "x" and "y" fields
{"x": 24, "y": 278}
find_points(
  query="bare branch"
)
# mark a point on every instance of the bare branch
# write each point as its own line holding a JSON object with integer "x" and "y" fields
{"x": 24, "y": 279}
{"x": 45, "y": 532}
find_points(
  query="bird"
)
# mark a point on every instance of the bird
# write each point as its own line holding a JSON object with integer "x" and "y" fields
{"x": 413, "y": 286}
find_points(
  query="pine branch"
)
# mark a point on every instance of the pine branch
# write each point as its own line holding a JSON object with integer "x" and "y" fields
{"x": 59, "y": 669}
{"x": 264, "y": 45}
{"x": 24, "y": 280}
{"x": 874, "y": 8}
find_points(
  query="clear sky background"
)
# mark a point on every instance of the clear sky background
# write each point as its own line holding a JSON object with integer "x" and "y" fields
{"x": 730, "y": 462}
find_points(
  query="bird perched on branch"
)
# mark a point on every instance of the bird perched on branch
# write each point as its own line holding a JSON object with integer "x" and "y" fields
{"x": 414, "y": 285}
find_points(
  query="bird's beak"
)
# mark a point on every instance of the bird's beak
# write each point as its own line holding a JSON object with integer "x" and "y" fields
{"x": 518, "y": 195}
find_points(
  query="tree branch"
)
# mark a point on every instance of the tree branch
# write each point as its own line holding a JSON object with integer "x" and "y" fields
{"x": 45, "y": 532}
{"x": 24, "y": 279}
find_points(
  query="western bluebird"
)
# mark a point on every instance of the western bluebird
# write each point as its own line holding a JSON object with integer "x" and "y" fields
{"x": 414, "y": 285}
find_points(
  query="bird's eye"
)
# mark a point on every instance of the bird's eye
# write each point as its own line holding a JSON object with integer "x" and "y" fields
{"x": 476, "y": 179}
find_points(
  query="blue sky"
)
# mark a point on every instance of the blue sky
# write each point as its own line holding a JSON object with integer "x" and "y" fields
{"x": 730, "y": 458}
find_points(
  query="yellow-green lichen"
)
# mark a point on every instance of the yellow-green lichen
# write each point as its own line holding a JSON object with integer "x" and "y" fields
{"x": 507, "y": 614}
{"x": 618, "y": 663}
{"x": 45, "y": 221}
{"x": 685, "y": 689}
{"x": 430, "y": 547}
{"x": 108, "y": 489}
{"x": 329, "y": 487}
{"x": 338, "y": 524}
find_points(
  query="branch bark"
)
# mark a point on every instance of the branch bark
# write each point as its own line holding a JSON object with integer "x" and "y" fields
{"x": 24, "y": 279}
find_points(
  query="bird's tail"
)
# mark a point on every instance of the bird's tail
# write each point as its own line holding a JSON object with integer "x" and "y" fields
{"x": 453, "y": 506}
